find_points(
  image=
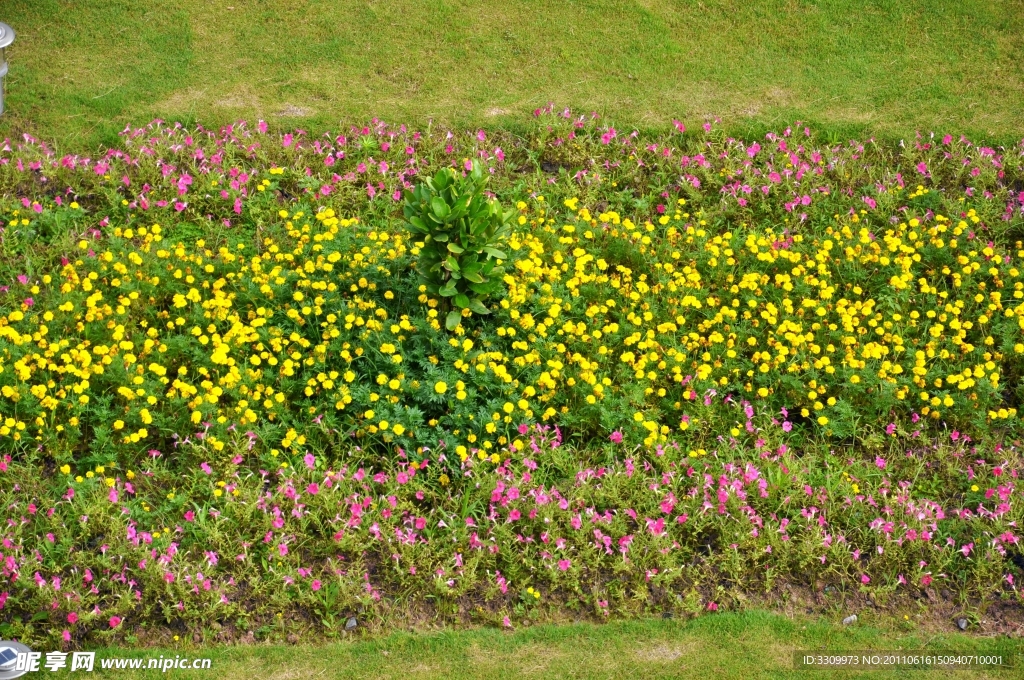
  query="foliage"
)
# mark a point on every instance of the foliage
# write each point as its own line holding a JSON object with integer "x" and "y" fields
{"x": 715, "y": 365}
{"x": 463, "y": 232}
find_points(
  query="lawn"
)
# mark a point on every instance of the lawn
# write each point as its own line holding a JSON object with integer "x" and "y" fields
{"x": 750, "y": 645}
{"x": 882, "y": 67}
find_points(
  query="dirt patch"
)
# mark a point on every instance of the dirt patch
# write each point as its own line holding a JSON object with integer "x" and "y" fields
{"x": 292, "y": 111}
{"x": 663, "y": 653}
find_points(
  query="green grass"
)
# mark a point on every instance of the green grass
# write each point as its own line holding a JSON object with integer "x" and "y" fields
{"x": 81, "y": 70}
{"x": 748, "y": 645}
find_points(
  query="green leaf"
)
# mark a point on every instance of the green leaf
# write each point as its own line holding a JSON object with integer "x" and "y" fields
{"x": 478, "y": 307}
{"x": 453, "y": 248}
{"x": 453, "y": 319}
{"x": 462, "y": 300}
{"x": 494, "y": 252}
{"x": 439, "y": 207}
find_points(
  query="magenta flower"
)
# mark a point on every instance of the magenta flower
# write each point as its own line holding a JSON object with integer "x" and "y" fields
{"x": 316, "y": 585}
{"x": 616, "y": 437}
{"x": 115, "y": 621}
{"x": 564, "y": 565}
{"x": 72, "y": 618}
{"x": 313, "y": 489}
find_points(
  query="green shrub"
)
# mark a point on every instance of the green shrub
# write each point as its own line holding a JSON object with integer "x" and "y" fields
{"x": 462, "y": 233}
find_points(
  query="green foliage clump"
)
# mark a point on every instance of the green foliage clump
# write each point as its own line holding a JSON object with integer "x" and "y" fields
{"x": 463, "y": 231}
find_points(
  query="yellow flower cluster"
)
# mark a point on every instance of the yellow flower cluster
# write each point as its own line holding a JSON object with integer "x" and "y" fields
{"x": 604, "y": 321}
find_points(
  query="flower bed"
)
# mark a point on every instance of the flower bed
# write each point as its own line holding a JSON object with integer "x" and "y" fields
{"x": 713, "y": 365}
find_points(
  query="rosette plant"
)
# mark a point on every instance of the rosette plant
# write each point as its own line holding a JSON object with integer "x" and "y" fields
{"x": 463, "y": 232}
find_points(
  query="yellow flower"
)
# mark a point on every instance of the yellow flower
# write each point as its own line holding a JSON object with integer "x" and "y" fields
{"x": 440, "y": 387}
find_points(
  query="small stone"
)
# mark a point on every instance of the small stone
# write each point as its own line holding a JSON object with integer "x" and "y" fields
{"x": 961, "y": 623}
{"x": 351, "y": 624}
{"x": 292, "y": 638}
{"x": 850, "y": 620}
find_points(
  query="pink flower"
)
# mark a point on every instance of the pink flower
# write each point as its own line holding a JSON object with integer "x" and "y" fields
{"x": 282, "y": 549}
{"x": 616, "y": 437}
{"x": 315, "y": 585}
{"x": 309, "y": 460}
{"x": 313, "y": 489}
{"x": 712, "y": 606}
{"x": 656, "y": 527}
{"x": 66, "y": 635}
{"x": 564, "y": 565}
{"x": 115, "y": 621}
{"x": 72, "y": 618}
{"x": 864, "y": 578}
